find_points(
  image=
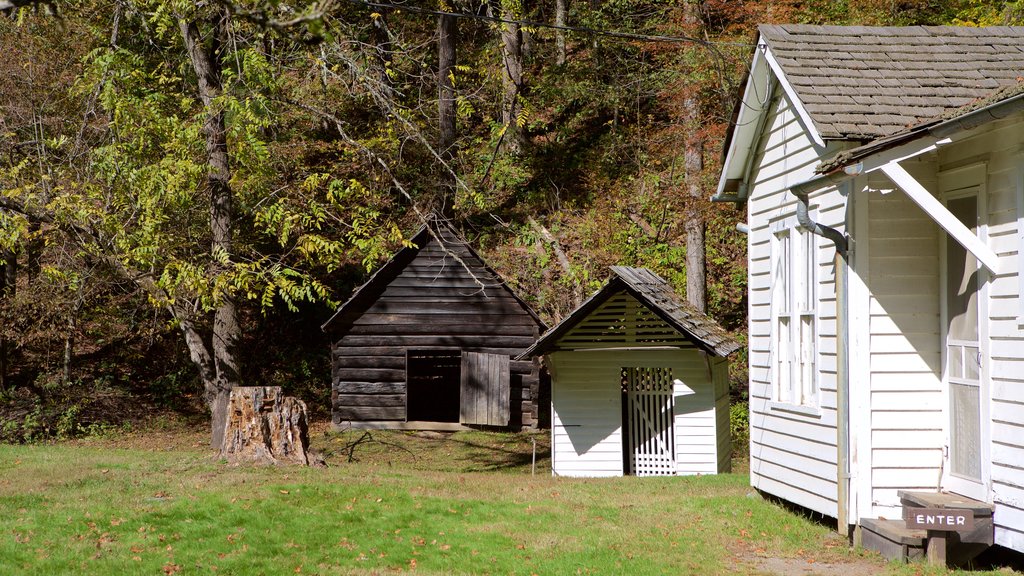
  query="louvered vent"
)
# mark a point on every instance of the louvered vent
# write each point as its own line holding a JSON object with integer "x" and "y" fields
{"x": 622, "y": 320}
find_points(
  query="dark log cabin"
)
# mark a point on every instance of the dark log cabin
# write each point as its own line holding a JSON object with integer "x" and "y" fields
{"x": 428, "y": 342}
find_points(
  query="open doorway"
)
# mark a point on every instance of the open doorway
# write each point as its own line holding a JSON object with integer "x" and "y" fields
{"x": 433, "y": 380}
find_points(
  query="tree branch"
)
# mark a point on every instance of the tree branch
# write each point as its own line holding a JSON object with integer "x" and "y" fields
{"x": 560, "y": 255}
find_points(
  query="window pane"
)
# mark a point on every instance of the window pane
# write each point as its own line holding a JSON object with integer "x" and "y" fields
{"x": 784, "y": 373}
{"x": 965, "y": 444}
{"x": 972, "y": 363}
{"x": 785, "y": 273}
{"x": 807, "y": 265}
{"x": 808, "y": 386}
{"x": 955, "y": 361}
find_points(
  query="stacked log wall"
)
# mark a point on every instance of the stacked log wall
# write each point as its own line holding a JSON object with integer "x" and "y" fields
{"x": 432, "y": 302}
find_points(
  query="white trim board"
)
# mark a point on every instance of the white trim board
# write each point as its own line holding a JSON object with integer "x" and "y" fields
{"x": 947, "y": 221}
{"x": 805, "y": 117}
{"x": 754, "y": 107}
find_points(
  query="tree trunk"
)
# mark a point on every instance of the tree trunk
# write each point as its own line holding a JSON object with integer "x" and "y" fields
{"x": 512, "y": 83}
{"x": 447, "y": 32}
{"x": 203, "y": 52}
{"x": 693, "y": 153}
{"x": 561, "y": 9}
{"x": 265, "y": 427}
{"x": 696, "y": 266}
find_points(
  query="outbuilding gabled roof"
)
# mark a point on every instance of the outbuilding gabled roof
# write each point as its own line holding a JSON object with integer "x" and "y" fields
{"x": 657, "y": 295}
{"x": 461, "y": 254}
{"x": 865, "y": 82}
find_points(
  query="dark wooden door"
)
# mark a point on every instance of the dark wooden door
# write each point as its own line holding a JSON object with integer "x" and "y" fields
{"x": 484, "y": 397}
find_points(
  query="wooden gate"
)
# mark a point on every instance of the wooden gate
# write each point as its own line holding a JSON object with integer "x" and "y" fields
{"x": 648, "y": 431}
{"x": 484, "y": 396}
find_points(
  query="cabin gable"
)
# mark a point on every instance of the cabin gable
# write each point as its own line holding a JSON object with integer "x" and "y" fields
{"x": 409, "y": 335}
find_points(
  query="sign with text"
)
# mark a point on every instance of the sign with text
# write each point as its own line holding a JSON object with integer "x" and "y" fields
{"x": 939, "y": 519}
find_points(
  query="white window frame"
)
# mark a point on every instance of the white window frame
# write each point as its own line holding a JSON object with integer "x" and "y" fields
{"x": 794, "y": 303}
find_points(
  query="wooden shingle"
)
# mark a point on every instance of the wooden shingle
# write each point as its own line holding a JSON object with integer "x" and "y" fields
{"x": 916, "y": 72}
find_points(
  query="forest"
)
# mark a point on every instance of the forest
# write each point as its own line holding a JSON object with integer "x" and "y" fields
{"x": 188, "y": 189}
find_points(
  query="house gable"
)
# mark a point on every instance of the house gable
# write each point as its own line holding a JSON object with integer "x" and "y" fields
{"x": 858, "y": 83}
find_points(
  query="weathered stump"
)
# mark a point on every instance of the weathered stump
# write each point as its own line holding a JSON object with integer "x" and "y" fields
{"x": 265, "y": 427}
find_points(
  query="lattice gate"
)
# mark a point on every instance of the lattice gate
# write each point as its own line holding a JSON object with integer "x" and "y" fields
{"x": 649, "y": 412}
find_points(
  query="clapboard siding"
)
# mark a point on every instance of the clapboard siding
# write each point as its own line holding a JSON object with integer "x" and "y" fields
{"x": 427, "y": 299}
{"x": 906, "y": 398}
{"x": 792, "y": 453}
{"x": 586, "y": 414}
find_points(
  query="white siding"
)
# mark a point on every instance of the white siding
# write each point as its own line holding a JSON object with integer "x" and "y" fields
{"x": 906, "y": 389}
{"x": 792, "y": 451}
{"x": 586, "y": 414}
{"x": 1001, "y": 145}
{"x": 586, "y": 410}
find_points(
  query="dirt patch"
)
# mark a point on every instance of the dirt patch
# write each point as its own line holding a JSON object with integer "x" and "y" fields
{"x": 833, "y": 558}
{"x": 809, "y": 567}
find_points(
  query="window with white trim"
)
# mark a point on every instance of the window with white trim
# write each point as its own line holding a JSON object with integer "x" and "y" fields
{"x": 794, "y": 318}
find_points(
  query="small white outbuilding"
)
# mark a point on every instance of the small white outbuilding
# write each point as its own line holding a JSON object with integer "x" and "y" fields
{"x": 639, "y": 383}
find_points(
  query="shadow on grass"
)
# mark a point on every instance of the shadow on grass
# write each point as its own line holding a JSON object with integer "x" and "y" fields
{"x": 477, "y": 451}
{"x": 806, "y": 513}
{"x": 484, "y": 458}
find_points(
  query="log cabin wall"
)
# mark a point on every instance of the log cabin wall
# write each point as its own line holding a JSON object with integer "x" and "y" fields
{"x": 425, "y": 302}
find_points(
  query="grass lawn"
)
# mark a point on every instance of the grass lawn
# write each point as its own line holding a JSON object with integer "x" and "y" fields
{"x": 467, "y": 503}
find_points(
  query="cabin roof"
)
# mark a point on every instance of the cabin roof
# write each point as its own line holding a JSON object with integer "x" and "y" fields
{"x": 436, "y": 229}
{"x": 657, "y": 295}
{"x": 867, "y": 82}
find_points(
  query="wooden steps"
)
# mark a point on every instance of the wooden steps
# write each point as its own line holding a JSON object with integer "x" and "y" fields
{"x": 970, "y": 529}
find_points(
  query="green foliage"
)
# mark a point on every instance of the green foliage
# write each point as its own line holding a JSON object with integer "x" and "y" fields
{"x": 989, "y": 13}
{"x": 331, "y": 127}
{"x": 739, "y": 428}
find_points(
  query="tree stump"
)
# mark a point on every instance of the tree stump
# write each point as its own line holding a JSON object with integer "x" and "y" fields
{"x": 265, "y": 427}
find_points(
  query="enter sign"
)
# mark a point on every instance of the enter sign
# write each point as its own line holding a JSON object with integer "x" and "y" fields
{"x": 939, "y": 519}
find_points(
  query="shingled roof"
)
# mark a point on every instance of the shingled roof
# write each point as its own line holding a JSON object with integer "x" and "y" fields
{"x": 657, "y": 295}
{"x": 1000, "y": 104}
{"x": 863, "y": 83}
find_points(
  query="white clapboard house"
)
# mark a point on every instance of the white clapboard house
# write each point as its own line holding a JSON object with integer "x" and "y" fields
{"x": 891, "y": 376}
{"x": 639, "y": 383}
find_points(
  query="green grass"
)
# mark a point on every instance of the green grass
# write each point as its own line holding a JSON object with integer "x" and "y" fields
{"x": 465, "y": 504}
